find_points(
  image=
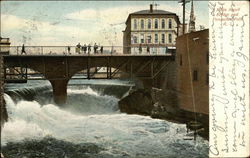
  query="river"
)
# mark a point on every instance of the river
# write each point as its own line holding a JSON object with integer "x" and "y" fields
{"x": 89, "y": 125}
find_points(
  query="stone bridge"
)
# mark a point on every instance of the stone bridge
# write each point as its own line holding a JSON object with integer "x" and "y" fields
{"x": 59, "y": 69}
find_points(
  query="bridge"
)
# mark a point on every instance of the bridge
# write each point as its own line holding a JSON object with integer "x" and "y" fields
{"x": 60, "y": 66}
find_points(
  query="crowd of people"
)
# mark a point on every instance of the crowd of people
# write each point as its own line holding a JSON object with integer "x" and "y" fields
{"x": 148, "y": 49}
{"x": 87, "y": 49}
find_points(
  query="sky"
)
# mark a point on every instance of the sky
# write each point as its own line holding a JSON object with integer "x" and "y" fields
{"x": 60, "y": 23}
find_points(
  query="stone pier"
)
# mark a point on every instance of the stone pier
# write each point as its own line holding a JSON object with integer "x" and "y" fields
{"x": 3, "y": 112}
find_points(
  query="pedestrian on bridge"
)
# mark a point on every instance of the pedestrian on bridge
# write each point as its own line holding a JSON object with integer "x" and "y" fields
{"x": 84, "y": 48}
{"x": 166, "y": 51}
{"x": 23, "y": 50}
{"x": 148, "y": 49}
{"x": 95, "y": 48}
{"x": 69, "y": 50}
{"x": 140, "y": 49}
{"x": 78, "y": 48}
{"x": 89, "y": 49}
{"x": 101, "y": 49}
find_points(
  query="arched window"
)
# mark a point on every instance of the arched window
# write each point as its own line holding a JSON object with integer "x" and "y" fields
{"x": 170, "y": 38}
{"x": 156, "y": 23}
{"x": 142, "y": 24}
{"x": 135, "y": 24}
{"x": 149, "y": 38}
{"x": 156, "y": 38}
{"x": 169, "y": 23}
{"x": 135, "y": 39}
{"x": 163, "y": 24}
{"x": 163, "y": 38}
{"x": 149, "y": 23}
{"x": 142, "y": 38}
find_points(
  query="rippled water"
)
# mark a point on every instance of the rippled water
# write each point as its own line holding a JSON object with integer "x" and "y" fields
{"x": 92, "y": 117}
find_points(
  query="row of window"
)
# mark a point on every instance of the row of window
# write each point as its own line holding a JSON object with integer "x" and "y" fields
{"x": 149, "y": 39}
{"x": 149, "y": 24}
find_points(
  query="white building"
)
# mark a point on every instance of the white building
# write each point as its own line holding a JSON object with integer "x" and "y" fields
{"x": 4, "y": 45}
{"x": 156, "y": 29}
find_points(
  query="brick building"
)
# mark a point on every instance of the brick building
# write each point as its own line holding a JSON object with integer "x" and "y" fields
{"x": 192, "y": 71}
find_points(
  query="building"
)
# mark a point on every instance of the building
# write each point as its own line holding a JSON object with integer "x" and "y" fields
{"x": 192, "y": 57}
{"x": 156, "y": 29}
{"x": 4, "y": 45}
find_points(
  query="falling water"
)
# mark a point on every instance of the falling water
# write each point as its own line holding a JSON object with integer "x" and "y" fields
{"x": 90, "y": 116}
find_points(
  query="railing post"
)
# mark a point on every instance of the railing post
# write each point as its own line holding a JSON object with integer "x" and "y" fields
{"x": 42, "y": 49}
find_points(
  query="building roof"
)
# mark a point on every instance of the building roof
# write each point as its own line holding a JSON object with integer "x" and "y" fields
{"x": 153, "y": 12}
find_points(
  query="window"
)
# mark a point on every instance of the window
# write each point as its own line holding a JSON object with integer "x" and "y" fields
{"x": 180, "y": 59}
{"x": 149, "y": 23}
{"x": 142, "y": 24}
{"x": 162, "y": 38}
{"x": 207, "y": 79}
{"x": 142, "y": 38}
{"x": 170, "y": 38}
{"x": 149, "y": 38}
{"x": 156, "y": 23}
{"x": 207, "y": 57}
{"x": 135, "y": 39}
{"x": 195, "y": 75}
{"x": 156, "y": 38}
{"x": 169, "y": 23}
{"x": 135, "y": 24}
{"x": 163, "y": 24}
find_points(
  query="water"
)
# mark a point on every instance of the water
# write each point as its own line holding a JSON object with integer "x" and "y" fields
{"x": 90, "y": 116}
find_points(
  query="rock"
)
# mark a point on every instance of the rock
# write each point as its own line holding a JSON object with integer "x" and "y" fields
{"x": 137, "y": 102}
{"x": 49, "y": 147}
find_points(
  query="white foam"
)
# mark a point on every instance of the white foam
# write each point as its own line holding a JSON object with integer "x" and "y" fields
{"x": 88, "y": 90}
{"x": 119, "y": 133}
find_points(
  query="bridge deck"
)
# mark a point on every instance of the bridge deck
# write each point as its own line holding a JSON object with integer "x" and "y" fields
{"x": 93, "y": 55}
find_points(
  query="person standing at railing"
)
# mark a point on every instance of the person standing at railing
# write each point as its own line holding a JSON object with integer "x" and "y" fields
{"x": 166, "y": 51}
{"x": 148, "y": 49}
{"x": 95, "y": 48}
{"x": 84, "y": 48}
{"x": 23, "y": 50}
{"x": 101, "y": 49}
{"x": 140, "y": 49}
{"x": 89, "y": 49}
{"x": 78, "y": 47}
{"x": 69, "y": 50}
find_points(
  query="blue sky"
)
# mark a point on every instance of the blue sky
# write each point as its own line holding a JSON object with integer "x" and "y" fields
{"x": 70, "y": 22}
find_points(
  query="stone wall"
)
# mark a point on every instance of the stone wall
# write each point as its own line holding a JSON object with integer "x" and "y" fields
{"x": 3, "y": 112}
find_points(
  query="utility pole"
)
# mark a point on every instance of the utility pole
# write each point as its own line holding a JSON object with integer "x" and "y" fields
{"x": 183, "y": 23}
{"x": 183, "y": 5}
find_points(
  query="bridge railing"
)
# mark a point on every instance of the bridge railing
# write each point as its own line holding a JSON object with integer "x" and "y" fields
{"x": 74, "y": 50}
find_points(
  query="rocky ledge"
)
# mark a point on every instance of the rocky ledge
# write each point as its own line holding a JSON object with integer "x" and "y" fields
{"x": 161, "y": 105}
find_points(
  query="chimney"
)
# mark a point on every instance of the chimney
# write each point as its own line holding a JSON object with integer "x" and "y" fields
{"x": 151, "y": 8}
